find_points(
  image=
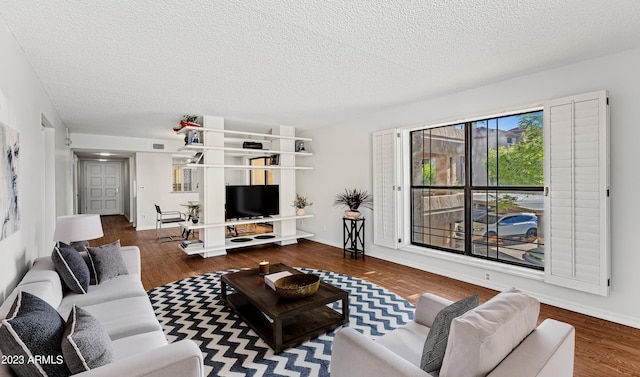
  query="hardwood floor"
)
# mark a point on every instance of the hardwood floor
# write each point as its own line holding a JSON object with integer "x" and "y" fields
{"x": 603, "y": 348}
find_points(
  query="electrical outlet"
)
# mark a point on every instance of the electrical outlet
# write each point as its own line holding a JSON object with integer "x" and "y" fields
{"x": 487, "y": 276}
{"x": 144, "y": 216}
{"x": 299, "y": 222}
{"x": 324, "y": 228}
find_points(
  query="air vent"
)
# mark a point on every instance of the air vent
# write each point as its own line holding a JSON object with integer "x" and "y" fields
{"x": 158, "y": 146}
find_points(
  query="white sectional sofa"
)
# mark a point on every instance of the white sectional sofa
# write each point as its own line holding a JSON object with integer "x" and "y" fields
{"x": 497, "y": 339}
{"x": 122, "y": 307}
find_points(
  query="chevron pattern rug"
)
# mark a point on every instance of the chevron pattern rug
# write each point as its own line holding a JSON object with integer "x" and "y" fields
{"x": 191, "y": 309}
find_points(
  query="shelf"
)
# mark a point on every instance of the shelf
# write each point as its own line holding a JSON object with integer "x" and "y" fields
{"x": 191, "y": 226}
{"x": 234, "y": 245}
{"x": 218, "y": 144}
{"x": 249, "y": 167}
{"x": 249, "y": 134}
{"x": 241, "y": 151}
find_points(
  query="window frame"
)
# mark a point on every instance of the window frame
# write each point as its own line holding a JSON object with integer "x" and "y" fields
{"x": 182, "y": 182}
{"x": 586, "y": 269}
{"x": 468, "y": 188}
{"x": 268, "y": 174}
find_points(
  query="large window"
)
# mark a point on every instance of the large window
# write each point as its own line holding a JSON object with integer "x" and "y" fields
{"x": 488, "y": 173}
{"x": 529, "y": 189}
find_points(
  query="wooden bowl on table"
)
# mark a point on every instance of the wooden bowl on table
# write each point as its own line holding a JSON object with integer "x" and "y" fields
{"x": 297, "y": 286}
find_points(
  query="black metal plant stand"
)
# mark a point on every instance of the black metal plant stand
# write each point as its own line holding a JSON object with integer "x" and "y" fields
{"x": 353, "y": 236}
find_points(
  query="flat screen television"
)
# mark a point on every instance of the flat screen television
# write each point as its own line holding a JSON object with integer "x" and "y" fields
{"x": 252, "y": 201}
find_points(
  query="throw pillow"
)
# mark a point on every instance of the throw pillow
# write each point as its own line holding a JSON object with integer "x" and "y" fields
{"x": 71, "y": 268}
{"x": 85, "y": 345}
{"x": 480, "y": 339}
{"x": 87, "y": 261}
{"x": 31, "y": 337}
{"x": 436, "y": 343}
{"x": 106, "y": 262}
{"x": 80, "y": 245}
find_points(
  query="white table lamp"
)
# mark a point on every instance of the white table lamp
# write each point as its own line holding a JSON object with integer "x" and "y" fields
{"x": 75, "y": 228}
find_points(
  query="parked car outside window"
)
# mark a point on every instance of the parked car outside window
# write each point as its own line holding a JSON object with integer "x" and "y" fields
{"x": 511, "y": 224}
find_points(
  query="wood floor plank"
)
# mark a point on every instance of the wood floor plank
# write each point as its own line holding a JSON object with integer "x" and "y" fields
{"x": 603, "y": 348}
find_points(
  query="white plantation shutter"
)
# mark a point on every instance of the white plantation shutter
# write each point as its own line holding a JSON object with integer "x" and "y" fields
{"x": 384, "y": 189}
{"x": 576, "y": 233}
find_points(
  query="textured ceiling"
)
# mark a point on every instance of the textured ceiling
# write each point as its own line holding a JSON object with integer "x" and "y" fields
{"x": 133, "y": 68}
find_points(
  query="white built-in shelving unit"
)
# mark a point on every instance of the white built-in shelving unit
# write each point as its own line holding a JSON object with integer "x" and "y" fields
{"x": 219, "y": 142}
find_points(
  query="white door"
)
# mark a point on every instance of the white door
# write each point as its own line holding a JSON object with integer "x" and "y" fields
{"x": 103, "y": 188}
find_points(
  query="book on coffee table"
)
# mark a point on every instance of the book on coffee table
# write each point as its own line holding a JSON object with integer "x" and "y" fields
{"x": 270, "y": 279}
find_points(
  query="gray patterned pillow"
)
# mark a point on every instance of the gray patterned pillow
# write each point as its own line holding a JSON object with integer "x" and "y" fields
{"x": 85, "y": 345}
{"x": 106, "y": 262}
{"x": 31, "y": 336}
{"x": 436, "y": 343}
{"x": 71, "y": 267}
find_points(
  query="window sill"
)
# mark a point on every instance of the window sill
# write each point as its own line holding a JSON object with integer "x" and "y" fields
{"x": 476, "y": 262}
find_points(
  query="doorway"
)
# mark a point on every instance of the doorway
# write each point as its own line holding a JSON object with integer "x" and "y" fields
{"x": 102, "y": 188}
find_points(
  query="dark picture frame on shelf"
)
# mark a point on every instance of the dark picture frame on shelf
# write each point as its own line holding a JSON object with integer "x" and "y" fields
{"x": 194, "y": 137}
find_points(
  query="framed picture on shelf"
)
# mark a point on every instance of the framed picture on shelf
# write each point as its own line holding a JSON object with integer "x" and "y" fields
{"x": 194, "y": 137}
{"x": 274, "y": 159}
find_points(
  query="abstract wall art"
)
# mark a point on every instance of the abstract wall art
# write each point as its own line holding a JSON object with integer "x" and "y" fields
{"x": 9, "y": 212}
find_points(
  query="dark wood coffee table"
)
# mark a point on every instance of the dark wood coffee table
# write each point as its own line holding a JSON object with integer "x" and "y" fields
{"x": 283, "y": 323}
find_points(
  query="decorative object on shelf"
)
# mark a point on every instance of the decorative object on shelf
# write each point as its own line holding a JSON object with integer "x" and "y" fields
{"x": 274, "y": 159}
{"x": 193, "y": 137}
{"x": 297, "y": 286}
{"x": 251, "y": 145}
{"x": 353, "y": 199}
{"x": 300, "y": 146}
{"x": 300, "y": 202}
{"x": 192, "y": 245}
{"x": 187, "y": 121}
{"x": 198, "y": 158}
{"x": 263, "y": 267}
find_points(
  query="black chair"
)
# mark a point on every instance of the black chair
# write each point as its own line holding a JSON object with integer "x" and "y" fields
{"x": 167, "y": 217}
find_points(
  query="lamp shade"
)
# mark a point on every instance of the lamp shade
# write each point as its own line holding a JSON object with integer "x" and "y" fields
{"x": 74, "y": 228}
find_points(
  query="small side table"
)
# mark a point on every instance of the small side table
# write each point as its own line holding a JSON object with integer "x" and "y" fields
{"x": 353, "y": 236}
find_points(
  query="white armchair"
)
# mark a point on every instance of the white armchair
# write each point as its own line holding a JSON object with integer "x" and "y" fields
{"x": 475, "y": 342}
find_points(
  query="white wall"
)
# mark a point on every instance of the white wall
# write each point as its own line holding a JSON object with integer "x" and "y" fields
{"x": 24, "y": 106}
{"x": 125, "y": 144}
{"x": 342, "y": 158}
{"x": 157, "y": 187}
{"x": 154, "y": 184}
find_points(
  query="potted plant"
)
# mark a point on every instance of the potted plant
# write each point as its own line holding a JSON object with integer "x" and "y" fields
{"x": 353, "y": 199}
{"x": 194, "y": 212}
{"x": 300, "y": 202}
